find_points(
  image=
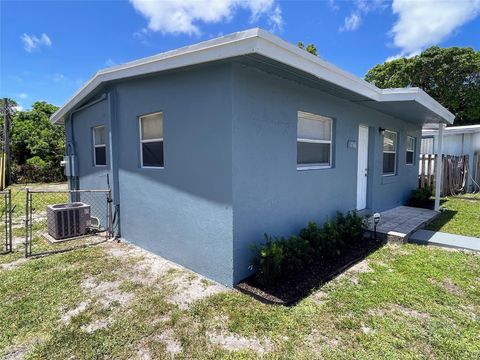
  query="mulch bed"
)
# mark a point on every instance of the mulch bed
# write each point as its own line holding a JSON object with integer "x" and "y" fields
{"x": 296, "y": 286}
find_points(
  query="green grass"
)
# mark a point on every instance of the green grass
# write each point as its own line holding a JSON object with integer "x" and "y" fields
{"x": 417, "y": 302}
{"x": 461, "y": 216}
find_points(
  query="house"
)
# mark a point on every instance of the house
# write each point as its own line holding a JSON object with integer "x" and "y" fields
{"x": 210, "y": 146}
{"x": 458, "y": 141}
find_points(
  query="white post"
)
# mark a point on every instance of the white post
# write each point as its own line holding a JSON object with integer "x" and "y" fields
{"x": 438, "y": 175}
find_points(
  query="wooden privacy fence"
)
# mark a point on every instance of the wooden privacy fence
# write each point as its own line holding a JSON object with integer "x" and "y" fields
{"x": 454, "y": 173}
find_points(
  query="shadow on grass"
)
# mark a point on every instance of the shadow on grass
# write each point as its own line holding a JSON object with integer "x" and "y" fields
{"x": 298, "y": 285}
{"x": 442, "y": 219}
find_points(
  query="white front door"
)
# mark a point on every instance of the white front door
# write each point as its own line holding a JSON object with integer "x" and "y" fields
{"x": 362, "y": 170}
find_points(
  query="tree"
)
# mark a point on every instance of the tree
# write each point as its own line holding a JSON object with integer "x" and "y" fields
{"x": 37, "y": 146}
{"x": 450, "y": 75}
{"x": 310, "y": 48}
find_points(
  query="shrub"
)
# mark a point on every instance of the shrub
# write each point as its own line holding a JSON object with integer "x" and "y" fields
{"x": 279, "y": 256}
{"x": 269, "y": 260}
{"x": 421, "y": 197}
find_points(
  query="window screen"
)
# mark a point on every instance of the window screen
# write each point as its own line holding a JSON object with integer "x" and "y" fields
{"x": 99, "y": 146}
{"x": 389, "y": 152}
{"x": 410, "y": 156}
{"x": 314, "y": 140}
{"x": 151, "y": 140}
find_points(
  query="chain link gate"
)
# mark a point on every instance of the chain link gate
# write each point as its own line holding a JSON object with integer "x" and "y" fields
{"x": 63, "y": 220}
{"x": 6, "y": 222}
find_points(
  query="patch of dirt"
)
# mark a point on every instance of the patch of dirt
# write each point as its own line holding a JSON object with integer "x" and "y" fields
{"x": 13, "y": 264}
{"x": 367, "y": 330}
{"x": 18, "y": 240}
{"x": 449, "y": 286}
{"x": 319, "y": 297}
{"x": 105, "y": 293}
{"x": 189, "y": 289}
{"x": 398, "y": 309}
{"x": 16, "y": 353}
{"x": 172, "y": 345}
{"x": 74, "y": 312}
{"x": 97, "y": 324}
{"x": 234, "y": 342}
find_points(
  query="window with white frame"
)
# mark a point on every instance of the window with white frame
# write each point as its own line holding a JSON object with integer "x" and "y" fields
{"x": 389, "y": 153}
{"x": 99, "y": 146}
{"x": 151, "y": 140}
{"x": 314, "y": 141}
{"x": 410, "y": 150}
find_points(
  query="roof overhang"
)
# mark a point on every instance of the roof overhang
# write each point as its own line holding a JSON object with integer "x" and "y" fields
{"x": 453, "y": 130}
{"x": 411, "y": 104}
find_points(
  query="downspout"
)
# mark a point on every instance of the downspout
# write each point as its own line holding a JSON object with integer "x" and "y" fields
{"x": 438, "y": 175}
{"x": 113, "y": 135}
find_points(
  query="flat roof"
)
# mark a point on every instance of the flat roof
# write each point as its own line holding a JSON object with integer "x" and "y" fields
{"x": 451, "y": 130}
{"x": 411, "y": 104}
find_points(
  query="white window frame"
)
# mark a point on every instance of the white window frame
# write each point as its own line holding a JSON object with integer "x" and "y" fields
{"x": 412, "y": 151}
{"x": 315, "y": 141}
{"x": 149, "y": 141}
{"x": 391, "y": 152}
{"x": 95, "y": 146}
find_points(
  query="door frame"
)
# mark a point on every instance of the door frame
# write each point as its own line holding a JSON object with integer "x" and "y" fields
{"x": 362, "y": 187}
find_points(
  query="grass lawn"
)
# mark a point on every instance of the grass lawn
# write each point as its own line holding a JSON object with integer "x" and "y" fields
{"x": 115, "y": 301}
{"x": 461, "y": 216}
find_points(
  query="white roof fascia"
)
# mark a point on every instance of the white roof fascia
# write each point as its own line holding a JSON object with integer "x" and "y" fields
{"x": 467, "y": 129}
{"x": 247, "y": 42}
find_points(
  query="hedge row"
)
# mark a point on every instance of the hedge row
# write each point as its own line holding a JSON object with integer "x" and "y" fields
{"x": 280, "y": 256}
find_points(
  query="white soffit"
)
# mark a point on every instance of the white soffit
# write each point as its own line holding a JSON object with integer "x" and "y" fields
{"x": 254, "y": 41}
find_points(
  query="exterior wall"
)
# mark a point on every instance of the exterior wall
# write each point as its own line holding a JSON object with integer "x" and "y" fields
{"x": 90, "y": 176}
{"x": 269, "y": 193}
{"x": 184, "y": 211}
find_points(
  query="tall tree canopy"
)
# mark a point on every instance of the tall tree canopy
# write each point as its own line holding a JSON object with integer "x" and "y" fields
{"x": 450, "y": 75}
{"x": 36, "y": 144}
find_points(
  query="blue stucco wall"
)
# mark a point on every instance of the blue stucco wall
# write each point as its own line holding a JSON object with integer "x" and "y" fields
{"x": 230, "y": 163}
{"x": 184, "y": 211}
{"x": 269, "y": 193}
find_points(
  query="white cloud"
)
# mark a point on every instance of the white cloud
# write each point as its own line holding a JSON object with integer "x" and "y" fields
{"x": 352, "y": 22}
{"x": 424, "y": 23}
{"x": 360, "y": 9}
{"x": 22, "y": 95}
{"x": 18, "y": 108}
{"x": 110, "y": 62}
{"x": 32, "y": 42}
{"x": 183, "y": 16}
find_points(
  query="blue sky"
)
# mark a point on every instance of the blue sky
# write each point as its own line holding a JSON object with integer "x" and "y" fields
{"x": 49, "y": 49}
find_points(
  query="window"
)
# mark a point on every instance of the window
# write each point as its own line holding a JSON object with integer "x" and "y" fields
{"x": 151, "y": 140}
{"x": 99, "y": 146}
{"x": 314, "y": 141}
{"x": 389, "y": 153}
{"x": 410, "y": 150}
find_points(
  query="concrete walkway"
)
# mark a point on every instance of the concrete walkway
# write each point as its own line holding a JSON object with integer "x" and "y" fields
{"x": 427, "y": 237}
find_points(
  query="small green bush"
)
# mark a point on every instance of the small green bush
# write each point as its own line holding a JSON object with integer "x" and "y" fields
{"x": 421, "y": 197}
{"x": 269, "y": 260}
{"x": 279, "y": 256}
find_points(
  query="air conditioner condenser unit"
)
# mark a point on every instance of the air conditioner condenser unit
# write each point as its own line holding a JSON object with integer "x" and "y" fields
{"x": 68, "y": 220}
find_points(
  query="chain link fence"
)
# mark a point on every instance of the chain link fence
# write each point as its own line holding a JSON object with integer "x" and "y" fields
{"x": 63, "y": 220}
{"x": 6, "y": 222}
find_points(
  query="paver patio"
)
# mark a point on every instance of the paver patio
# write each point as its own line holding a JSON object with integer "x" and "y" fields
{"x": 397, "y": 224}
